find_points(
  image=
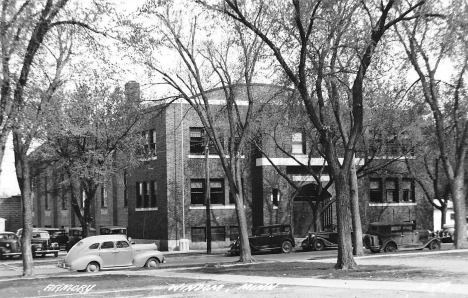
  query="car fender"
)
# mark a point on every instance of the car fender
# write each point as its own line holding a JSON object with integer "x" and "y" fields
{"x": 429, "y": 243}
{"x": 140, "y": 259}
{"x": 389, "y": 241}
{"x": 325, "y": 241}
{"x": 80, "y": 263}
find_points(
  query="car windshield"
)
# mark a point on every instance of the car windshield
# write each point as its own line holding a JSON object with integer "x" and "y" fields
{"x": 43, "y": 235}
{"x": 7, "y": 236}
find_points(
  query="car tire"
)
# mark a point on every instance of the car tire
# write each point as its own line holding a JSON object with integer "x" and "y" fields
{"x": 1, "y": 255}
{"x": 390, "y": 247}
{"x": 286, "y": 246}
{"x": 93, "y": 267}
{"x": 375, "y": 250}
{"x": 434, "y": 245}
{"x": 318, "y": 245}
{"x": 152, "y": 263}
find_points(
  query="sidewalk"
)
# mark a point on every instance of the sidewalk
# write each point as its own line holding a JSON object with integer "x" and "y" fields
{"x": 421, "y": 259}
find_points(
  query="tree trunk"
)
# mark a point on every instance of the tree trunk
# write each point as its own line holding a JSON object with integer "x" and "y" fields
{"x": 245, "y": 252}
{"x": 345, "y": 251}
{"x": 355, "y": 215}
{"x": 459, "y": 207}
{"x": 24, "y": 182}
{"x": 443, "y": 211}
{"x": 3, "y": 140}
{"x": 207, "y": 200}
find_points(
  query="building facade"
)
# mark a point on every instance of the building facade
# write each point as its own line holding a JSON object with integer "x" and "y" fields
{"x": 162, "y": 200}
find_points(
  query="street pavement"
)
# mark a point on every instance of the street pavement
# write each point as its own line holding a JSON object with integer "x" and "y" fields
{"x": 427, "y": 259}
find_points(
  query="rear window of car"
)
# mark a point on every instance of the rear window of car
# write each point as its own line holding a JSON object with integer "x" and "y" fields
{"x": 94, "y": 246}
{"x": 107, "y": 244}
{"x": 122, "y": 244}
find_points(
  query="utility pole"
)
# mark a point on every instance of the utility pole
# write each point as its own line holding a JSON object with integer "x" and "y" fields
{"x": 207, "y": 195}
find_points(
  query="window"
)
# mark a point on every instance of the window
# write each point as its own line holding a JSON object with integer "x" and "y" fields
{"x": 153, "y": 188}
{"x": 275, "y": 196}
{"x": 395, "y": 229}
{"x": 103, "y": 196}
{"x": 125, "y": 188}
{"x": 83, "y": 198}
{"x": 233, "y": 232}
{"x": 46, "y": 195}
{"x": 139, "y": 190}
{"x": 375, "y": 190}
{"x": 217, "y": 192}
{"x": 391, "y": 190}
{"x": 298, "y": 143}
{"x": 149, "y": 139}
{"x": 107, "y": 244}
{"x": 197, "y": 192}
{"x": 218, "y": 234}
{"x": 122, "y": 244}
{"x": 197, "y": 135}
{"x": 94, "y": 246}
{"x": 146, "y": 194}
{"x": 408, "y": 190}
{"x": 198, "y": 234}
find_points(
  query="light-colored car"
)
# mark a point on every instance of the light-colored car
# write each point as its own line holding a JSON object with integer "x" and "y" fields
{"x": 111, "y": 251}
{"x": 448, "y": 232}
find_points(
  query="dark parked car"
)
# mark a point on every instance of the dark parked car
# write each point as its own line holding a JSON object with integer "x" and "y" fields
{"x": 9, "y": 245}
{"x": 41, "y": 243}
{"x": 391, "y": 236}
{"x": 59, "y": 236}
{"x": 275, "y": 237}
{"x": 320, "y": 240}
{"x": 76, "y": 234}
{"x": 113, "y": 230}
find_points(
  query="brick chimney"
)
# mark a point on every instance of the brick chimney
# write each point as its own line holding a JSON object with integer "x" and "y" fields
{"x": 132, "y": 91}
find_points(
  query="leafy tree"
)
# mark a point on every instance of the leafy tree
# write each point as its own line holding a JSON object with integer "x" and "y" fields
{"x": 428, "y": 43}
{"x": 318, "y": 44}
{"x": 91, "y": 136}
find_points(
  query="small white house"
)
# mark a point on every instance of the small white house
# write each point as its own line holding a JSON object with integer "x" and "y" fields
{"x": 450, "y": 215}
{"x": 2, "y": 224}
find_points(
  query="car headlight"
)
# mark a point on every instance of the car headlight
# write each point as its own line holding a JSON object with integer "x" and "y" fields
{"x": 7, "y": 245}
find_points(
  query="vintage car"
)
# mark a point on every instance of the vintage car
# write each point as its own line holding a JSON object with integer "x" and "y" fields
{"x": 270, "y": 238}
{"x": 111, "y": 251}
{"x": 114, "y": 230}
{"x": 447, "y": 233}
{"x": 59, "y": 236}
{"x": 320, "y": 240}
{"x": 76, "y": 234}
{"x": 41, "y": 244}
{"x": 391, "y": 236}
{"x": 10, "y": 245}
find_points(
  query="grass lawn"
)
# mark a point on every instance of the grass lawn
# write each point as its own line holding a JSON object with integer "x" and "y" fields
{"x": 326, "y": 271}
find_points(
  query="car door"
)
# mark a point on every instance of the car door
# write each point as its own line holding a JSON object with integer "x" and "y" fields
{"x": 410, "y": 237}
{"x": 265, "y": 237}
{"x": 124, "y": 254}
{"x": 107, "y": 254}
{"x": 276, "y": 237}
{"x": 396, "y": 234}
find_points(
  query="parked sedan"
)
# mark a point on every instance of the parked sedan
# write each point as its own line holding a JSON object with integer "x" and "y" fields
{"x": 447, "y": 234}
{"x": 111, "y": 251}
{"x": 390, "y": 236}
{"x": 10, "y": 245}
{"x": 320, "y": 240}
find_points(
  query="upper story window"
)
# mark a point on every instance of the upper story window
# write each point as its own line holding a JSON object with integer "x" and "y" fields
{"x": 125, "y": 193}
{"x": 408, "y": 190}
{"x": 275, "y": 196}
{"x": 298, "y": 143}
{"x": 197, "y": 191}
{"x": 197, "y": 136}
{"x": 103, "y": 196}
{"x": 149, "y": 137}
{"x": 375, "y": 190}
{"x": 146, "y": 194}
{"x": 391, "y": 190}
{"x": 46, "y": 193}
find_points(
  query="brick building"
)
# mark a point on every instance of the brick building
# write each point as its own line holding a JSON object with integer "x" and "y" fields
{"x": 162, "y": 200}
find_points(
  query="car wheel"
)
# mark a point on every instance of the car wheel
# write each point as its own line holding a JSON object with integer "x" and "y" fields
{"x": 375, "y": 250}
{"x": 1, "y": 255}
{"x": 434, "y": 245}
{"x": 286, "y": 247}
{"x": 318, "y": 245}
{"x": 390, "y": 247}
{"x": 93, "y": 267}
{"x": 152, "y": 263}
